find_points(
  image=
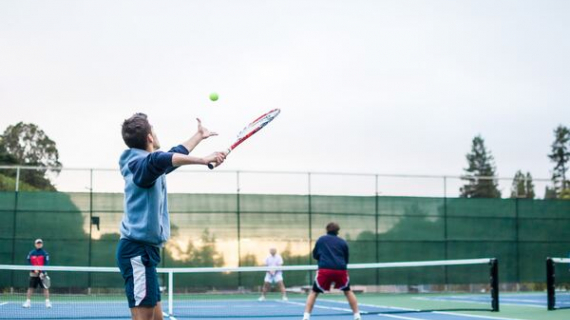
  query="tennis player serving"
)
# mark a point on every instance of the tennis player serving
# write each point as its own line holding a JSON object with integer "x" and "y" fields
{"x": 332, "y": 253}
{"x": 146, "y": 226}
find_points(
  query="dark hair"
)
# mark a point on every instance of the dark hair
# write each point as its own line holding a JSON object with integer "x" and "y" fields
{"x": 333, "y": 228}
{"x": 135, "y": 131}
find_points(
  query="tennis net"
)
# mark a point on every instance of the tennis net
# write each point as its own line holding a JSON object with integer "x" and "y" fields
{"x": 558, "y": 283}
{"x": 206, "y": 293}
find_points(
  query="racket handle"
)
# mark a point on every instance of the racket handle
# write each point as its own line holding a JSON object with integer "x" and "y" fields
{"x": 211, "y": 166}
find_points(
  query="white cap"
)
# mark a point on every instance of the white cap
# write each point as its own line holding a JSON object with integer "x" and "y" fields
{"x": 39, "y": 241}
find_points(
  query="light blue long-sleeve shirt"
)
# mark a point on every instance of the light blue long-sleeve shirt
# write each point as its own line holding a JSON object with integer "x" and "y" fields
{"x": 146, "y": 201}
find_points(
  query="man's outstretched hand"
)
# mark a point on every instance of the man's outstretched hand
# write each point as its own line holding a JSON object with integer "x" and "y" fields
{"x": 204, "y": 132}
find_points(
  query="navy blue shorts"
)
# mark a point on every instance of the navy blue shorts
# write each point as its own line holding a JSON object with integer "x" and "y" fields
{"x": 138, "y": 262}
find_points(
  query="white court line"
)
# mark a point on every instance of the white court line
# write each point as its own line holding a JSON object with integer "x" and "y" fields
{"x": 398, "y": 317}
{"x": 378, "y": 306}
{"x": 441, "y": 312}
{"x": 479, "y": 302}
{"x": 350, "y": 310}
{"x": 3, "y": 303}
{"x": 221, "y": 306}
{"x": 523, "y": 300}
{"x": 475, "y": 316}
{"x": 164, "y": 314}
{"x": 465, "y": 299}
{"x": 321, "y": 307}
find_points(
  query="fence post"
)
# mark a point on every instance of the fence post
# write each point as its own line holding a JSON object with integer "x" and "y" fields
{"x": 309, "y": 213}
{"x": 377, "y": 220}
{"x": 445, "y": 235}
{"x": 14, "y": 223}
{"x": 17, "y": 187}
{"x": 90, "y": 228}
{"x": 310, "y": 205}
{"x": 517, "y": 243}
{"x": 238, "y": 221}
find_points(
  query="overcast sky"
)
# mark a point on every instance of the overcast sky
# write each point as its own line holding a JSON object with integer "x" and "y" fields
{"x": 364, "y": 86}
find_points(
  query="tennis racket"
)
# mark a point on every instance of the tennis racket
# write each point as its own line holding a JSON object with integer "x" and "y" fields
{"x": 46, "y": 280}
{"x": 251, "y": 129}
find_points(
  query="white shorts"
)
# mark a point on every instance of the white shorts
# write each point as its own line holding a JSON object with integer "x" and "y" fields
{"x": 277, "y": 277}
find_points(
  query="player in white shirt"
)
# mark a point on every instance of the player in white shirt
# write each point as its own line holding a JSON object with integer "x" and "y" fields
{"x": 273, "y": 276}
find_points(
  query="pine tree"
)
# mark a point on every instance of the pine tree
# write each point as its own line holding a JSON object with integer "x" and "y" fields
{"x": 549, "y": 193}
{"x": 560, "y": 155}
{"x": 529, "y": 186}
{"x": 480, "y": 173}
{"x": 523, "y": 187}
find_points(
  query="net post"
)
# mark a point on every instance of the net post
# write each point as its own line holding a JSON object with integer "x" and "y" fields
{"x": 170, "y": 293}
{"x": 494, "y": 278}
{"x": 550, "y": 284}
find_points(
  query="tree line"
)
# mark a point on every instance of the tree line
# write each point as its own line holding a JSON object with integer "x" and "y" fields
{"x": 481, "y": 172}
{"x": 28, "y": 145}
{"x": 25, "y": 144}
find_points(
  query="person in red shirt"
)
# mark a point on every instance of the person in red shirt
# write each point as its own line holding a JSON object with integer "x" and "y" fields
{"x": 37, "y": 257}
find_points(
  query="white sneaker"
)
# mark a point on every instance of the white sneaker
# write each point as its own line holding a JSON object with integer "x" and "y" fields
{"x": 27, "y": 304}
{"x": 48, "y": 304}
{"x": 285, "y": 298}
{"x": 262, "y": 298}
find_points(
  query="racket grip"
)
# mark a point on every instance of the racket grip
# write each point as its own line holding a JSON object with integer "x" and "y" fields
{"x": 211, "y": 166}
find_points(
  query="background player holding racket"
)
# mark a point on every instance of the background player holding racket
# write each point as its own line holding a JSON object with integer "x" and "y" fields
{"x": 273, "y": 277}
{"x": 146, "y": 224}
{"x": 37, "y": 257}
{"x": 332, "y": 253}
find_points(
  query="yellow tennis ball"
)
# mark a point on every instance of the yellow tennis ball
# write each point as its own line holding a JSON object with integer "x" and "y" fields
{"x": 214, "y": 96}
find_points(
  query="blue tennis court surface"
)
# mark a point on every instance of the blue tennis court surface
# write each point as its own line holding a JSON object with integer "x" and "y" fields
{"x": 228, "y": 309}
{"x": 535, "y": 299}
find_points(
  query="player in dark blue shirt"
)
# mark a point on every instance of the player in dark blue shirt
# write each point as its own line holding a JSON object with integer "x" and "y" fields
{"x": 37, "y": 257}
{"x": 332, "y": 253}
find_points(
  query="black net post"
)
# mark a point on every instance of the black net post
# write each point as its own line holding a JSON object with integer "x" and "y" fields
{"x": 494, "y": 270}
{"x": 550, "y": 284}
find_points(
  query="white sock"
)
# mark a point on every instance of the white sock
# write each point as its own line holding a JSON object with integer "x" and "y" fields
{"x": 306, "y": 316}
{"x": 357, "y": 315}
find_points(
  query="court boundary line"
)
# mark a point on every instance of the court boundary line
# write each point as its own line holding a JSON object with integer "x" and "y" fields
{"x": 439, "y": 312}
{"x": 479, "y": 302}
{"x": 477, "y": 316}
{"x": 319, "y": 306}
{"x": 350, "y": 310}
{"x": 164, "y": 314}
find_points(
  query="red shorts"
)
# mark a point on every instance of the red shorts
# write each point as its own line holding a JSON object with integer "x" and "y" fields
{"x": 327, "y": 277}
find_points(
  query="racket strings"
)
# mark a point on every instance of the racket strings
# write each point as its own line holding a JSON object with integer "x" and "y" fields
{"x": 258, "y": 123}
